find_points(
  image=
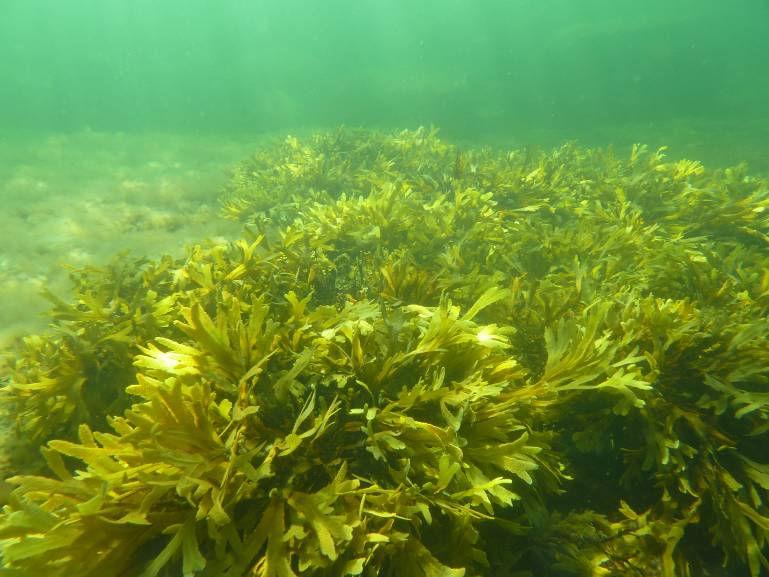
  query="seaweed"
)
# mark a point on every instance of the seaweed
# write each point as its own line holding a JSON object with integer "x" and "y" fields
{"x": 418, "y": 361}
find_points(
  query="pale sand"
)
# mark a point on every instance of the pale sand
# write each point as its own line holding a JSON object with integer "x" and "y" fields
{"x": 78, "y": 199}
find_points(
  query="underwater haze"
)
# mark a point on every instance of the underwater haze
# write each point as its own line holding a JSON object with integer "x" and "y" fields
{"x": 508, "y": 68}
{"x": 120, "y": 118}
{"x": 389, "y": 288}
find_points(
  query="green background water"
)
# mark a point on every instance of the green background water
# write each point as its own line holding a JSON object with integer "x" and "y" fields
{"x": 120, "y": 117}
{"x": 591, "y": 69}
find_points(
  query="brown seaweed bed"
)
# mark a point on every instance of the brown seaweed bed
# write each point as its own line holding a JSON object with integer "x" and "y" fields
{"x": 79, "y": 198}
{"x": 409, "y": 358}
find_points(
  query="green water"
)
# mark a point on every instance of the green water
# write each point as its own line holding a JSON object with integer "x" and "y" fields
{"x": 517, "y": 70}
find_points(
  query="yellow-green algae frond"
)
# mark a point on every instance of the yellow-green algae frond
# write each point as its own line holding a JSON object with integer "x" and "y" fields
{"x": 418, "y": 361}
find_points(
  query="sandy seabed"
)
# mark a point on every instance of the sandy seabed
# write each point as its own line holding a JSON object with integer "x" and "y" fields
{"x": 78, "y": 199}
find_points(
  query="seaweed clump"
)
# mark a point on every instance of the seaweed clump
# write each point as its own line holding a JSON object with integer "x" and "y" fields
{"x": 418, "y": 361}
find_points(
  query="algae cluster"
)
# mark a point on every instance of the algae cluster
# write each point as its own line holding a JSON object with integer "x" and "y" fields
{"x": 419, "y": 361}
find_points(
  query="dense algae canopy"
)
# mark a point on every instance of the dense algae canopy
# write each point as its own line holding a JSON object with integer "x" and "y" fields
{"x": 418, "y": 361}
